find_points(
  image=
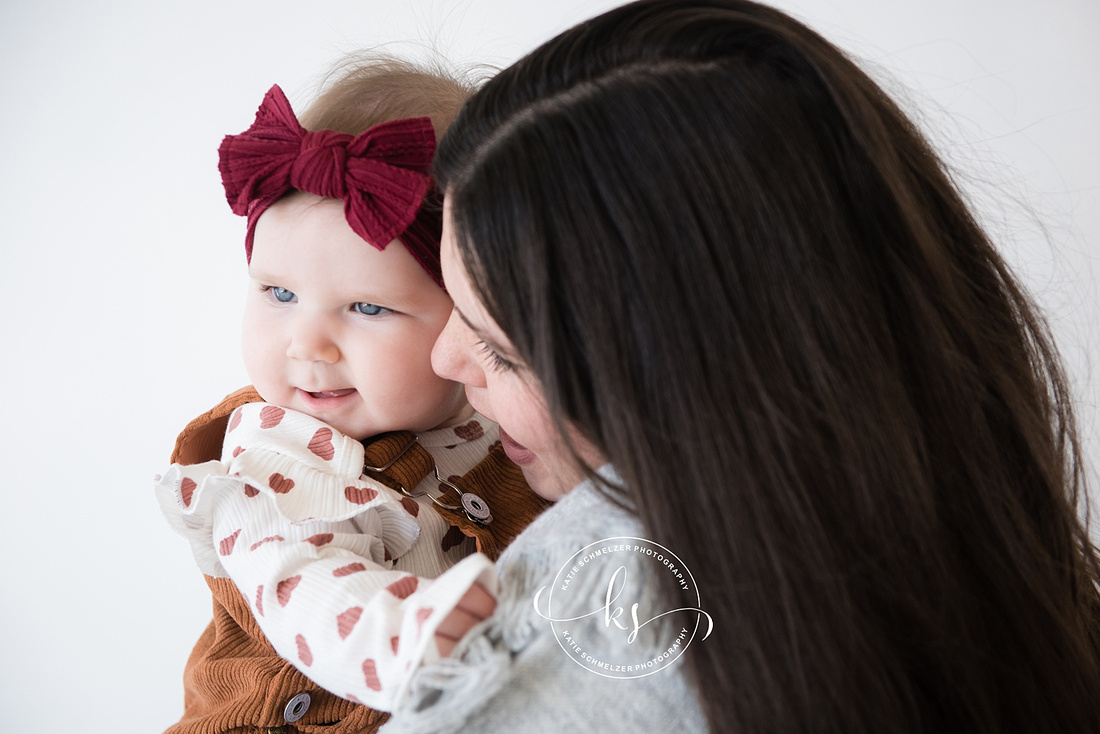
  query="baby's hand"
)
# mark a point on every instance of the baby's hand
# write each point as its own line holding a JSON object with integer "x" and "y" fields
{"x": 475, "y": 606}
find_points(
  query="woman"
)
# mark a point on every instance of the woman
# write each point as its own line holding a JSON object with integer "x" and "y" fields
{"x": 694, "y": 241}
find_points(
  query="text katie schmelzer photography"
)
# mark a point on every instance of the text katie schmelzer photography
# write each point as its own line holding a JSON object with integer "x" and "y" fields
{"x": 602, "y": 637}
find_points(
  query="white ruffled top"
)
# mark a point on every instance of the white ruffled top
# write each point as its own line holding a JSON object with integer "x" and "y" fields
{"x": 347, "y": 578}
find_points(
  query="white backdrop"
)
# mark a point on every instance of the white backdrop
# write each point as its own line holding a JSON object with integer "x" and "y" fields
{"x": 123, "y": 269}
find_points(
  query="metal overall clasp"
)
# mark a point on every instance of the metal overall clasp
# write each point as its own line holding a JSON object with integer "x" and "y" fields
{"x": 470, "y": 504}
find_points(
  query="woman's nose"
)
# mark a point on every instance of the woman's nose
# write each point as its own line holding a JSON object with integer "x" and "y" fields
{"x": 312, "y": 341}
{"x": 451, "y": 355}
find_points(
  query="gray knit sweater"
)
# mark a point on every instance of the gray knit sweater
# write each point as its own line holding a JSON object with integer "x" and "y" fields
{"x": 518, "y": 672}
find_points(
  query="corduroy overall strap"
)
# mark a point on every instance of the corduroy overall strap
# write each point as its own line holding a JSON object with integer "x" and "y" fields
{"x": 397, "y": 460}
{"x": 495, "y": 479}
{"x": 498, "y": 481}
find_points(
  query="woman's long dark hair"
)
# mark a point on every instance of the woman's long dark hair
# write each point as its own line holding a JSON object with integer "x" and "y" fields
{"x": 742, "y": 272}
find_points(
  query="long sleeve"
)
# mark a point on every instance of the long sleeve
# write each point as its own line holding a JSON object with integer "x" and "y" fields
{"x": 311, "y": 545}
{"x": 331, "y": 603}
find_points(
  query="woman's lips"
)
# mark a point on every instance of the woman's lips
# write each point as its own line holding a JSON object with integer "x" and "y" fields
{"x": 517, "y": 452}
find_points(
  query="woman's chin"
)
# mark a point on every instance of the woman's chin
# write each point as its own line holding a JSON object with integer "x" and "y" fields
{"x": 545, "y": 484}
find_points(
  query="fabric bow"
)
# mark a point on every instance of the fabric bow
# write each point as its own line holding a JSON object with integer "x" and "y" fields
{"x": 382, "y": 175}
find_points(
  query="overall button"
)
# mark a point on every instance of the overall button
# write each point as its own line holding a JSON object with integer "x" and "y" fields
{"x": 296, "y": 708}
{"x": 476, "y": 508}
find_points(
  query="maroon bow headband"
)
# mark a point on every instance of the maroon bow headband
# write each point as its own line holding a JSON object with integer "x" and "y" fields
{"x": 382, "y": 175}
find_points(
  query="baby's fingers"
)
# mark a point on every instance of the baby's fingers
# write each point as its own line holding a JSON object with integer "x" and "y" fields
{"x": 478, "y": 602}
{"x": 476, "y": 605}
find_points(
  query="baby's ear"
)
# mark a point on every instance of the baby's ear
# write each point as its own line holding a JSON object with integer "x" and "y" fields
{"x": 201, "y": 440}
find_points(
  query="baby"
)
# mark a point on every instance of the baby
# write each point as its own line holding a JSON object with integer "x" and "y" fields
{"x": 344, "y": 305}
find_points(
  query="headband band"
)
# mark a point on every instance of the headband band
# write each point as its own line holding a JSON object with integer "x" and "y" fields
{"x": 382, "y": 175}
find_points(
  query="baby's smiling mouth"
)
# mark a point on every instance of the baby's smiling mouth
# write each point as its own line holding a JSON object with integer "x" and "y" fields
{"x": 331, "y": 393}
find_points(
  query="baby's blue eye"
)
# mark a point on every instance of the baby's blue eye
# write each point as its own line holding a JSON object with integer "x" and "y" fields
{"x": 368, "y": 309}
{"x": 282, "y": 295}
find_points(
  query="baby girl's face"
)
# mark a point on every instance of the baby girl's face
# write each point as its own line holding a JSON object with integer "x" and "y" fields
{"x": 340, "y": 330}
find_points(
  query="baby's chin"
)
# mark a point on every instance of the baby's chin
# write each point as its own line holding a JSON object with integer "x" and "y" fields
{"x": 454, "y": 413}
{"x": 366, "y": 429}
{"x": 464, "y": 413}
{"x": 344, "y": 410}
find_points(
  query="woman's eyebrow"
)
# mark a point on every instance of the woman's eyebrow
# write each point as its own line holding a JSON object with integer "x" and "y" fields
{"x": 470, "y": 325}
{"x": 480, "y": 334}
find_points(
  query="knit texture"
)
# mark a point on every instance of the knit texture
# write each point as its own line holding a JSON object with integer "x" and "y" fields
{"x": 513, "y": 672}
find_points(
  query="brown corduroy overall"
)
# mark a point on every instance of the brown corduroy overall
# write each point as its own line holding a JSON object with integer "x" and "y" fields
{"x": 234, "y": 681}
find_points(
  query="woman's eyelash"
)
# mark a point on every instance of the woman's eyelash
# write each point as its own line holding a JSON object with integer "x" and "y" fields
{"x": 497, "y": 362}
